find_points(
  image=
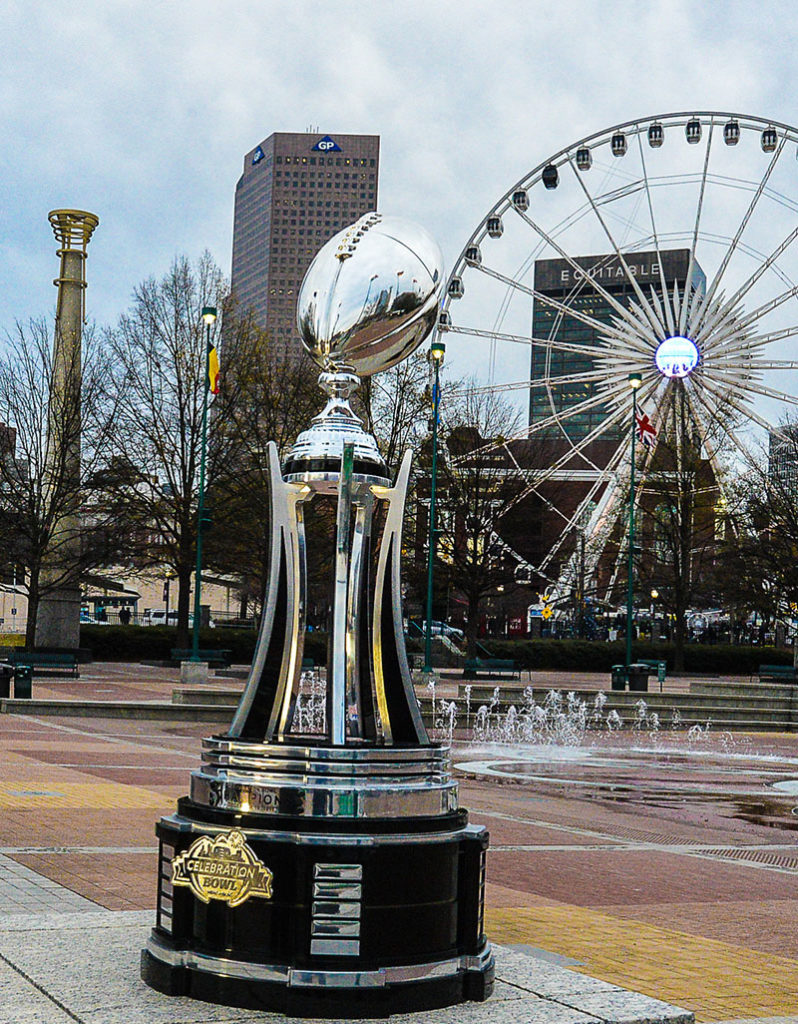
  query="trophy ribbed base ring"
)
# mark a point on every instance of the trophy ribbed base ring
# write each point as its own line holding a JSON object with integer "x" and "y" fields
{"x": 324, "y": 781}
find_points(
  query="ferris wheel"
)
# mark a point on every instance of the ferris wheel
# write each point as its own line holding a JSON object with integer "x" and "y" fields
{"x": 662, "y": 251}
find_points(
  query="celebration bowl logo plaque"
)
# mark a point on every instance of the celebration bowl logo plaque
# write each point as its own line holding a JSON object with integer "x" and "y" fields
{"x": 224, "y": 868}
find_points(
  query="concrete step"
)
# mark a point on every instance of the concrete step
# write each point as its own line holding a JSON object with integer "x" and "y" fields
{"x": 652, "y": 697}
{"x": 749, "y": 689}
{"x": 217, "y": 697}
{"x": 145, "y": 710}
{"x": 734, "y": 717}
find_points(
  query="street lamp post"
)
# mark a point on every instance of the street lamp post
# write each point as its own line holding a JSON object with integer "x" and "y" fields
{"x": 437, "y": 352}
{"x": 635, "y": 380}
{"x": 209, "y": 318}
{"x": 654, "y": 596}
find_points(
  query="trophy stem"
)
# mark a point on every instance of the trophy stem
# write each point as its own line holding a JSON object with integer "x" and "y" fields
{"x": 342, "y": 653}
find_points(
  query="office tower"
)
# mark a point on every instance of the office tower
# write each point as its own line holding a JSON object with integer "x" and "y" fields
{"x": 296, "y": 192}
{"x": 559, "y": 280}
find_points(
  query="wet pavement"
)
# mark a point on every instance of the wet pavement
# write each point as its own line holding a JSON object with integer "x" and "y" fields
{"x": 654, "y": 863}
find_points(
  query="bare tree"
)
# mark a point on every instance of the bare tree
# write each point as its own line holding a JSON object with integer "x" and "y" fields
{"x": 397, "y": 405}
{"x": 477, "y": 489}
{"x": 684, "y": 516}
{"x": 758, "y": 564}
{"x": 158, "y": 387}
{"x": 275, "y": 399}
{"x": 52, "y": 523}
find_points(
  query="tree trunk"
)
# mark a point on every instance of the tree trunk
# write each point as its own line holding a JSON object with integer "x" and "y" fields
{"x": 472, "y": 626}
{"x": 33, "y": 611}
{"x": 679, "y": 640}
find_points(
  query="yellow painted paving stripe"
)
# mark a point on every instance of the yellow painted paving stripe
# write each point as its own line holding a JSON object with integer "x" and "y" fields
{"x": 716, "y": 980}
{"x": 28, "y": 793}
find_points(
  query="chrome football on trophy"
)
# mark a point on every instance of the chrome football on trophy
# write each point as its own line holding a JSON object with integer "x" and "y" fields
{"x": 324, "y": 868}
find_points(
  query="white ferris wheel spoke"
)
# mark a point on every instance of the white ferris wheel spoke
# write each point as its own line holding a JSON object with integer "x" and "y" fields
{"x": 726, "y": 307}
{"x": 737, "y": 327}
{"x": 655, "y": 324}
{"x": 591, "y": 281}
{"x": 746, "y": 346}
{"x": 576, "y": 313}
{"x": 687, "y": 298}
{"x": 714, "y": 406}
{"x": 755, "y": 387}
{"x": 622, "y": 411}
{"x": 530, "y": 385}
{"x": 710, "y": 292}
{"x": 755, "y": 365}
{"x": 761, "y": 340}
{"x": 555, "y": 420}
{"x": 725, "y": 396}
{"x": 522, "y": 339}
{"x": 607, "y": 478}
{"x": 712, "y": 442}
{"x": 667, "y": 319}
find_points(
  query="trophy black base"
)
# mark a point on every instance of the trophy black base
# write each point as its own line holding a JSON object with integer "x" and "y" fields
{"x": 359, "y": 918}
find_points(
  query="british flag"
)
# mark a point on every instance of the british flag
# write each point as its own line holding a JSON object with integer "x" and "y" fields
{"x": 646, "y": 431}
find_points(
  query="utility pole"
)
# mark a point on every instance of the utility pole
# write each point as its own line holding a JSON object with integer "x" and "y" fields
{"x": 635, "y": 380}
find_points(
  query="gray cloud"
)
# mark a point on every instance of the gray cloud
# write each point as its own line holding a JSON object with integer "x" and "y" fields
{"x": 142, "y": 113}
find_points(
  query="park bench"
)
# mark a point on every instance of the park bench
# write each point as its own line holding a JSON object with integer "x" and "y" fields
{"x": 777, "y": 673}
{"x": 45, "y": 660}
{"x": 657, "y": 667}
{"x": 491, "y": 667}
{"x": 222, "y": 658}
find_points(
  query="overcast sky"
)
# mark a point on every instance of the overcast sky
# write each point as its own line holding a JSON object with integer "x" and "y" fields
{"x": 141, "y": 112}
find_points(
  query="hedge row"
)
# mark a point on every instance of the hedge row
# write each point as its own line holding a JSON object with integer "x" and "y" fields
{"x": 599, "y": 656}
{"x": 154, "y": 643}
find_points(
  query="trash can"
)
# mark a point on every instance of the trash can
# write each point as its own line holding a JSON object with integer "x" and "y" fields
{"x": 6, "y": 671}
{"x": 23, "y": 674}
{"x": 638, "y": 677}
{"x": 619, "y": 677}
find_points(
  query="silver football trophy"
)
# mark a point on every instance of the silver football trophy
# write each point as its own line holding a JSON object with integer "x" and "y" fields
{"x": 323, "y": 867}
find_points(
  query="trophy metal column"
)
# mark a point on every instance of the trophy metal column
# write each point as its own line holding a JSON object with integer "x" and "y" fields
{"x": 331, "y": 873}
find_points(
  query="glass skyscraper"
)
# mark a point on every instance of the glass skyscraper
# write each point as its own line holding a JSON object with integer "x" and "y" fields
{"x": 296, "y": 192}
{"x": 559, "y": 280}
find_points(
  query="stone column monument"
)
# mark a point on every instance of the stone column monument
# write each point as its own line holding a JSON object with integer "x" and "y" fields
{"x": 58, "y": 620}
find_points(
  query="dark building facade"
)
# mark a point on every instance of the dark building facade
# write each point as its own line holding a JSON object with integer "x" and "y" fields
{"x": 562, "y": 282}
{"x": 783, "y": 456}
{"x": 296, "y": 192}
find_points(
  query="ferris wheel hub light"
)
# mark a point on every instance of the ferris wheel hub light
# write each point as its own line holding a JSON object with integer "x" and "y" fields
{"x": 676, "y": 357}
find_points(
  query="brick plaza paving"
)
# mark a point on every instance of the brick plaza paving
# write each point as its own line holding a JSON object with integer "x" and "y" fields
{"x": 650, "y": 863}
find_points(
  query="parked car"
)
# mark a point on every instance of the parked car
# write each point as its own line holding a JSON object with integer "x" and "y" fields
{"x": 157, "y": 617}
{"x": 436, "y": 629}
